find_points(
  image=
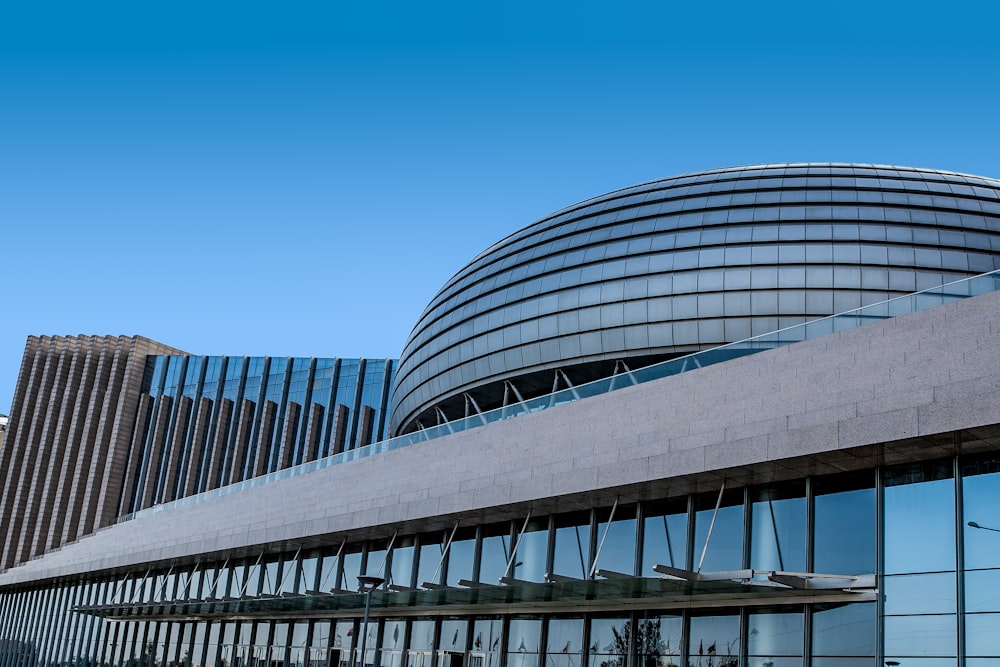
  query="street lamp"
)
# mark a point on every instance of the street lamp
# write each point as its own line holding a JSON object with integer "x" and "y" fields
{"x": 973, "y": 524}
{"x": 367, "y": 585}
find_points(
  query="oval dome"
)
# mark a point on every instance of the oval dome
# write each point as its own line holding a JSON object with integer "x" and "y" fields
{"x": 676, "y": 265}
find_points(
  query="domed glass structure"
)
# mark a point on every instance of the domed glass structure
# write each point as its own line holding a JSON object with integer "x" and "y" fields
{"x": 681, "y": 264}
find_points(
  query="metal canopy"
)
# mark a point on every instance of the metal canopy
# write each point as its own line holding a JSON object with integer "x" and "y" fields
{"x": 561, "y": 594}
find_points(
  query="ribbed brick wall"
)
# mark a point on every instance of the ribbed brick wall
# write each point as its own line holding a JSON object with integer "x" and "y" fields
{"x": 72, "y": 417}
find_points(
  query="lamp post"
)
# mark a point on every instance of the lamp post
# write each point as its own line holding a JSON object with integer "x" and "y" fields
{"x": 367, "y": 585}
{"x": 973, "y": 524}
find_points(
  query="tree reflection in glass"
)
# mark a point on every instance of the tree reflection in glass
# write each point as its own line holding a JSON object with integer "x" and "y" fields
{"x": 715, "y": 641}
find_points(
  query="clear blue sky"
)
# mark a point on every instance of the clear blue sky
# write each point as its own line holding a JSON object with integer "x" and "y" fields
{"x": 300, "y": 178}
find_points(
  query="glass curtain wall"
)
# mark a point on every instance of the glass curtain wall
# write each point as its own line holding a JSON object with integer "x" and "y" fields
{"x": 936, "y": 546}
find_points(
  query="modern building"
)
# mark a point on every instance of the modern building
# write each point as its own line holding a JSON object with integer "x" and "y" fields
{"x": 113, "y": 425}
{"x": 741, "y": 417}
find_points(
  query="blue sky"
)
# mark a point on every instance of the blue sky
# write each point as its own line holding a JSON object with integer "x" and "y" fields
{"x": 300, "y": 178}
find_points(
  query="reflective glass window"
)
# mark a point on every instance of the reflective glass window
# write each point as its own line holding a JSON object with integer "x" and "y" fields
{"x": 617, "y": 541}
{"x": 524, "y": 640}
{"x": 843, "y": 629}
{"x": 778, "y": 540}
{"x": 495, "y": 553}
{"x": 919, "y": 518}
{"x": 402, "y": 562}
{"x": 564, "y": 647}
{"x": 981, "y": 500}
{"x": 920, "y": 594}
{"x": 714, "y": 641}
{"x": 775, "y": 635}
{"x": 658, "y": 640}
{"x": 532, "y": 550}
{"x": 350, "y": 570}
{"x": 422, "y": 635}
{"x": 909, "y": 636}
{"x": 981, "y": 636}
{"x": 664, "y": 536}
{"x": 609, "y": 642}
{"x": 393, "y": 639}
{"x": 571, "y": 556}
{"x": 460, "y": 557}
{"x": 487, "y": 639}
{"x": 452, "y": 638}
{"x": 844, "y": 524}
{"x": 724, "y": 551}
{"x": 982, "y": 590}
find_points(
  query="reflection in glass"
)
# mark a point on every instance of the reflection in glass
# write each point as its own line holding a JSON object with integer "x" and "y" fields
{"x": 725, "y": 549}
{"x": 430, "y": 567}
{"x": 572, "y": 546}
{"x": 565, "y": 643}
{"x": 920, "y": 594}
{"x": 658, "y": 641}
{"x": 618, "y": 551}
{"x": 608, "y": 642}
{"x": 843, "y": 629}
{"x": 982, "y": 590}
{"x": 401, "y": 571}
{"x": 351, "y": 571}
{"x": 664, "y": 536}
{"x": 715, "y": 641}
{"x": 453, "y": 635}
{"x": 920, "y": 635}
{"x": 771, "y": 635}
{"x": 375, "y": 563}
{"x": 393, "y": 640}
{"x": 422, "y": 635}
{"x": 919, "y": 519}
{"x": 523, "y": 642}
{"x": 487, "y": 637}
{"x": 460, "y": 557}
{"x": 529, "y": 564}
{"x": 778, "y": 529}
{"x": 844, "y": 525}
{"x": 495, "y": 553}
{"x": 981, "y": 499}
{"x": 981, "y": 636}
{"x": 421, "y": 646}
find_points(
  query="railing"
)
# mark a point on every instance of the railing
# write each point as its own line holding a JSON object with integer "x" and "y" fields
{"x": 961, "y": 289}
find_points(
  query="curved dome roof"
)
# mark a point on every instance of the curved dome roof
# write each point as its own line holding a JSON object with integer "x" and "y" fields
{"x": 685, "y": 263}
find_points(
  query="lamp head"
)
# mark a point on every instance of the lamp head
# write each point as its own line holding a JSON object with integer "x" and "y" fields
{"x": 367, "y": 582}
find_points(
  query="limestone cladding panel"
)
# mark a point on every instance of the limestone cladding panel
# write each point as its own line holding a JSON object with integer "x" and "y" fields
{"x": 931, "y": 372}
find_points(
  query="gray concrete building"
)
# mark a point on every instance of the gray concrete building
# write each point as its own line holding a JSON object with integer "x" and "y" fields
{"x": 745, "y": 417}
